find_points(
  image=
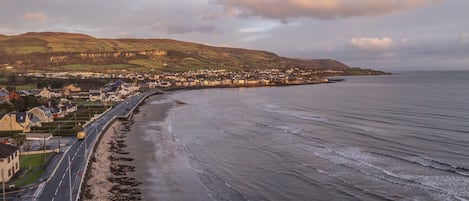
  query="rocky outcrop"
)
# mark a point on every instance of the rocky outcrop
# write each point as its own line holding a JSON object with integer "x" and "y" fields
{"x": 146, "y": 53}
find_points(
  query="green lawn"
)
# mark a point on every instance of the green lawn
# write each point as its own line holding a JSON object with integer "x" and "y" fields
{"x": 97, "y": 68}
{"x": 32, "y": 161}
{"x": 147, "y": 63}
{"x": 33, "y": 165}
{"x": 25, "y": 87}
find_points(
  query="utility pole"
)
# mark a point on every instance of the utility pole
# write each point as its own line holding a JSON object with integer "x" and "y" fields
{"x": 59, "y": 138}
{"x": 44, "y": 141}
{"x": 70, "y": 178}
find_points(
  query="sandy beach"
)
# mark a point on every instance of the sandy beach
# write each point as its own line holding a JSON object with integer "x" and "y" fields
{"x": 115, "y": 172}
{"x": 111, "y": 173}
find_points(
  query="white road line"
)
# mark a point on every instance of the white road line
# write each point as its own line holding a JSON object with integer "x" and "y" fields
{"x": 53, "y": 199}
{"x": 56, "y": 190}
{"x": 63, "y": 176}
{"x": 60, "y": 183}
{"x": 39, "y": 190}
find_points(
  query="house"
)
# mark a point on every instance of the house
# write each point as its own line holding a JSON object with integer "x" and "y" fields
{"x": 57, "y": 112}
{"x": 33, "y": 120}
{"x": 49, "y": 93}
{"x": 13, "y": 96}
{"x": 95, "y": 96}
{"x": 44, "y": 114}
{"x": 4, "y": 95}
{"x": 15, "y": 121}
{"x": 130, "y": 87}
{"x": 124, "y": 92}
{"x": 68, "y": 108}
{"x": 114, "y": 86}
{"x": 38, "y": 136}
{"x": 25, "y": 93}
{"x": 9, "y": 162}
{"x": 71, "y": 90}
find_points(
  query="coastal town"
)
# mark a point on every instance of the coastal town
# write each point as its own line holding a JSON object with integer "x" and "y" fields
{"x": 36, "y": 124}
{"x": 207, "y": 78}
{"x": 39, "y": 121}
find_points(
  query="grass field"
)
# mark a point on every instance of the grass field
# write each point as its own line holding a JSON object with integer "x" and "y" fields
{"x": 88, "y": 67}
{"x": 25, "y": 87}
{"x": 33, "y": 164}
{"x": 147, "y": 63}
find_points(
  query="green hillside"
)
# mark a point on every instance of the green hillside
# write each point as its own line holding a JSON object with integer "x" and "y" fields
{"x": 75, "y": 52}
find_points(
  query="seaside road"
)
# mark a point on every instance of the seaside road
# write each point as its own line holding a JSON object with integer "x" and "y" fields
{"x": 67, "y": 178}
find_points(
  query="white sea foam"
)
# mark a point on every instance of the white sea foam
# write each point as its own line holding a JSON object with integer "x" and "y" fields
{"x": 162, "y": 101}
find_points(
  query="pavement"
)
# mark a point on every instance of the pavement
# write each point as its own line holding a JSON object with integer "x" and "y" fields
{"x": 63, "y": 181}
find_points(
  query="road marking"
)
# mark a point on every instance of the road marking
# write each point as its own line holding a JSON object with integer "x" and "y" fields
{"x": 39, "y": 190}
{"x": 56, "y": 190}
{"x": 60, "y": 183}
{"x": 53, "y": 198}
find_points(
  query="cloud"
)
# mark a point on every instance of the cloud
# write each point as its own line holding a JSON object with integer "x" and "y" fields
{"x": 323, "y": 9}
{"x": 259, "y": 27}
{"x": 170, "y": 28}
{"x": 364, "y": 43}
{"x": 34, "y": 16}
{"x": 464, "y": 38}
{"x": 227, "y": 12}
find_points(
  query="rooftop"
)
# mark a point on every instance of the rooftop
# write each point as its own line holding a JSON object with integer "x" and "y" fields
{"x": 7, "y": 150}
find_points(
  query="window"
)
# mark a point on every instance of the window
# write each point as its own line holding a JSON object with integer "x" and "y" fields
{"x": 8, "y": 159}
{"x": 9, "y": 172}
{"x": 16, "y": 166}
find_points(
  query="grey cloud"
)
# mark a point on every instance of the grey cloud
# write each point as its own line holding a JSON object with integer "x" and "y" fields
{"x": 323, "y": 9}
{"x": 427, "y": 28}
{"x": 427, "y": 54}
{"x": 170, "y": 28}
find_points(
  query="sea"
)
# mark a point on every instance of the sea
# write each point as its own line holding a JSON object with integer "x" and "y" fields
{"x": 394, "y": 137}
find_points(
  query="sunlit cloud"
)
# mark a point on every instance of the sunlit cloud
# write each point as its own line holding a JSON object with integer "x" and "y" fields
{"x": 34, "y": 16}
{"x": 365, "y": 43}
{"x": 263, "y": 27}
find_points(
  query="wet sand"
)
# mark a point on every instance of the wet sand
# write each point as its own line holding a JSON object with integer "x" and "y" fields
{"x": 141, "y": 159}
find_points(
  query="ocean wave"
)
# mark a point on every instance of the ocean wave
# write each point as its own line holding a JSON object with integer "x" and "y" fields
{"x": 451, "y": 183}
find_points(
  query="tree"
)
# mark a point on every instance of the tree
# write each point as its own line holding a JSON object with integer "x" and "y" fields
{"x": 6, "y": 107}
{"x": 11, "y": 88}
{"x": 54, "y": 101}
{"x": 28, "y": 80}
{"x": 19, "y": 139}
{"x": 11, "y": 79}
{"x": 19, "y": 104}
{"x": 31, "y": 101}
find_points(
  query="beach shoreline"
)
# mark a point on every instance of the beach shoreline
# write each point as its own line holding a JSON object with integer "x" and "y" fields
{"x": 112, "y": 172}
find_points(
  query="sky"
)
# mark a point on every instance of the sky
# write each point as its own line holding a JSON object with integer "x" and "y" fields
{"x": 379, "y": 34}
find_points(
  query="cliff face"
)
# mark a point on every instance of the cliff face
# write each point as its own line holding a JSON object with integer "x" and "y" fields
{"x": 49, "y": 49}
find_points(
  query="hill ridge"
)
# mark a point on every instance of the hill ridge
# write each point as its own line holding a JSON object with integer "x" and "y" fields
{"x": 61, "y": 50}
